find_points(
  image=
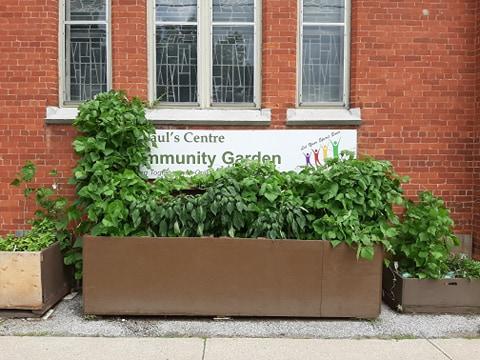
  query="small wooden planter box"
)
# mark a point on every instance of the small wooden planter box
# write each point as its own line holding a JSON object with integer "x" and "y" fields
{"x": 456, "y": 296}
{"x": 228, "y": 277}
{"x": 33, "y": 281}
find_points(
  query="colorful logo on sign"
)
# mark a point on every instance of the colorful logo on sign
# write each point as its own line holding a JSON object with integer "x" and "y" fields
{"x": 315, "y": 153}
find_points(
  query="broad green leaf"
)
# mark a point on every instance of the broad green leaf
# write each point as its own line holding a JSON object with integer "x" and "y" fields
{"x": 367, "y": 253}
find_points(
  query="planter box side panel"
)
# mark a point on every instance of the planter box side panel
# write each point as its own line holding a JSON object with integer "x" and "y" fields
{"x": 202, "y": 276}
{"x": 457, "y": 296}
{"x": 20, "y": 280}
{"x": 452, "y": 295}
{"x": 351, "y": 287}
{"x": 392, "y": 288}
{"x": 56, "y": 279}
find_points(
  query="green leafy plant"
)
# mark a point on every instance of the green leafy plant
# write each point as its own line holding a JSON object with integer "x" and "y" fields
{"x": 113, "y": 196}
{"x": 248, "y": 199}
{"x": 347, "y": 200}
{"x": 115, "y": 134}
{"x": 41, "y": 236}
{"x": 425, "y": 239}
{"x": 49, "y": 223}
{"x": 114, "y": 145}
{"x": 460, "y": 266}
{"x": 351, "y": 200}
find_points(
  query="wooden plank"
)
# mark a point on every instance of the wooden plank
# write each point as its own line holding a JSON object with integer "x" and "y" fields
{"x": 19, "y": 314}
{"x": 20, "y": 280}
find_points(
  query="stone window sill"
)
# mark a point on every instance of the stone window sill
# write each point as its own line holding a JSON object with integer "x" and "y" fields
{"x": 307, "y": 116}
{"x": 56, "y": 115}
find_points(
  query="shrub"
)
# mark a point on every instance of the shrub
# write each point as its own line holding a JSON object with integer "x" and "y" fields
{"x": 113, "y": 197}
{"x": 345, "y": 201}
{"x": 425, "y": 239}
{"x": 351, "y": 200}
{"x": 50, "y": 220}
{"x": 460, "y": 266}
{"x": 114, "y": 144}
{"x": 41, "y": 236}
{"x": 248, "y": 199}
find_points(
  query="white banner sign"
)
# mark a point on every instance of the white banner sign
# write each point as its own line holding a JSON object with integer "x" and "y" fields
{"x": 199, "y": 150}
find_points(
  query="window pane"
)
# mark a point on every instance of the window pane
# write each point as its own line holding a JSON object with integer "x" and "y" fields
{"x": 176, "y": 10}
{"x": 86, "y": 61}
{"x": 177, "y": 64}
{"x": 322, "y": 64}
{"x": 86, "y": 10}
{"x": 233, "y": 10}
{"x": 332, "y": 11}
{"x": 233, "y": 64}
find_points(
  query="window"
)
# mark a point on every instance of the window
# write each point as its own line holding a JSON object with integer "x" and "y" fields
{"x": 85, "y": 50}
{"x": 324, "y": 52}
{"x": 206, "y": 53}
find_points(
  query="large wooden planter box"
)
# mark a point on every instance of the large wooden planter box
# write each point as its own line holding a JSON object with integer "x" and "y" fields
{"x": 33, "y": 281}
{"x": 228, "y": 277}
{"x": 457, "y": 296}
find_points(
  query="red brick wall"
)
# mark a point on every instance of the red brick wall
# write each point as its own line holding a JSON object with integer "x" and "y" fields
{"x": 413, "y": 76}
{"x": 28, "y": 82}
{"x": 129, "y": 46}
{"x": 279, "y": 58}
{"x": 476, "y": 212}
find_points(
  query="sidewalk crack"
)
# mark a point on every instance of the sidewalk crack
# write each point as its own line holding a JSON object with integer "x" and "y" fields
{"x": 205, "y": 346}
{"x": 439, "y": 349}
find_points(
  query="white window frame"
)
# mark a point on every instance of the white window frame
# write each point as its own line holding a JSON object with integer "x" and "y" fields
{"x": 204, "y": 56}
{"x": 346, "y": 66}
{"x": 63, "y": 76}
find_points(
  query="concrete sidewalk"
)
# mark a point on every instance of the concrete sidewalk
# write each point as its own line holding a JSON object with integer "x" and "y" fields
{"x": 60, "y": 348}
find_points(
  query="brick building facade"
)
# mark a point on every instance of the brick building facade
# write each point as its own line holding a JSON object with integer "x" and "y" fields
{"x": 414, "y": 74}
{"x": 476, "y": 209}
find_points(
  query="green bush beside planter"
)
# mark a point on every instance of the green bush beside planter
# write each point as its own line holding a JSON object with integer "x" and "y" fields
{"x": 424, "y": 276}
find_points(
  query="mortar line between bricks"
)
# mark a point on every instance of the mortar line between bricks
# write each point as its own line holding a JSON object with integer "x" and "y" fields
{"x": 439, "y": 349}
{"x": 204, "y": 347}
